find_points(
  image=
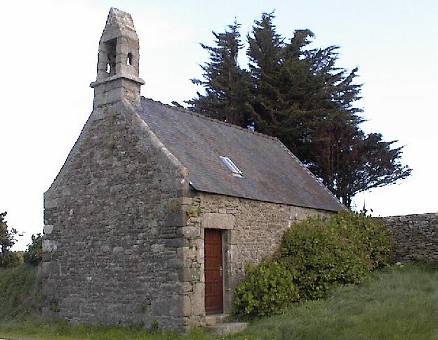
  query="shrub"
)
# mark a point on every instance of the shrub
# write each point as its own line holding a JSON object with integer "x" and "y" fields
{"x": 337, "y": 250}
{"x": 10, "y": 259}
{"x": 322, "y": 257}
{"x": 34, "y": 251}
{"x": 368, "y": 232}
{"x": 267, "y": 289}
{"x": 315, "y": 255}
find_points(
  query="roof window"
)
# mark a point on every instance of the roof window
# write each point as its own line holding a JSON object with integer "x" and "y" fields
{"x": 231, "y": 166}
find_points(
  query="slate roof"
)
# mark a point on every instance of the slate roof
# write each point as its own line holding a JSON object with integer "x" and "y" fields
{"x": 271, "y": 173}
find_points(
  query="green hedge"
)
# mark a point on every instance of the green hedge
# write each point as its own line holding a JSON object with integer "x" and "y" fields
{"x": 315, "y": 255}
{"x": 369, "y": 233}
{"x": 267, "y": 289}
{"x": 324, "y": 255}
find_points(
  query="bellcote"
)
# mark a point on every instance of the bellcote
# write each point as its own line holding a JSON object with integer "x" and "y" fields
{"x": 118, "y": 62}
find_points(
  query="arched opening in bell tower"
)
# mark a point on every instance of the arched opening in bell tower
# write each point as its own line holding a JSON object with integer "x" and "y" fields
{"x": 110, "y": 47}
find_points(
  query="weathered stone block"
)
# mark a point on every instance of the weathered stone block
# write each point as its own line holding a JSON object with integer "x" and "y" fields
{"x": 191, "y": 232}
{"x": 47, "y": 229}
{"x": 187, "y": 306}
{"x": 50, "y": 203}
{"x": 49, "y": 246}
{"x": 198, "y": 303}
{"x": 218, "y": 220}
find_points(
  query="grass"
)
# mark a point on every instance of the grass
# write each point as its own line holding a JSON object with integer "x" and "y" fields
{"x": 58, "y": 330}
{"x": 397, "y": 303}
{"x": 20, "y": 292}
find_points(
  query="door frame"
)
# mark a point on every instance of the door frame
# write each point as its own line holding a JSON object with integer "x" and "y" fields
{"x": 222, "y": 236}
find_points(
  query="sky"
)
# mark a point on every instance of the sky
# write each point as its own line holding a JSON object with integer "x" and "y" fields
{"x": 49, "y": 56}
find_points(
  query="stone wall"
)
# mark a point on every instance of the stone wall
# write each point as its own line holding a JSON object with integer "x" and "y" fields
{"x": 415, "y": 236}
{"x": 113, "y": 228}
{"x": 252, "y": 230}
{"x": 124, "y": 234}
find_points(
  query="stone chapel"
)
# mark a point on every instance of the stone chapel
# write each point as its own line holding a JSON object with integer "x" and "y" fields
{"x": 157, "y": 210}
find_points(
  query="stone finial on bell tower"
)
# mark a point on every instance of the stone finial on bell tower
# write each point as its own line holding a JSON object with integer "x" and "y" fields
{"x": 118, "y": 62}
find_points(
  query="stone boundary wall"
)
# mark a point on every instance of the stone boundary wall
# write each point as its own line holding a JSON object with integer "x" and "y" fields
{"x": 415, "y": 236}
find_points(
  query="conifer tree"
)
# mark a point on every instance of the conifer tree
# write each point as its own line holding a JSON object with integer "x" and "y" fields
{"x": 349, "y": 161}
{"x": 264, "y": 53}
{"x": 301, "y": 96}
{"x": 226, "y": 85}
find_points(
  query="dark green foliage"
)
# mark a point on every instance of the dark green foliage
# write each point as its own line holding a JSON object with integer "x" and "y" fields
{"x": 369, "y": 234}
{"x": 315, "y": 256}
{"x": 267, "y": 289}
{"x": 20, "y": 292}
{"x": 349, "y": 161}
{"x": 34, "y": 251}
{"x": 7, "y": 240}
{"x": 338, "y": 250}
{"x": 226, "y": 85}
{"x": 10, "y": 259}
{"x": 265, "y": 56}
{"x": 300, "y": 95}
{"x": 322, "y": 257}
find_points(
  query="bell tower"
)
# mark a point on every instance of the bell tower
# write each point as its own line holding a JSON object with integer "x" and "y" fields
{"x": 118, "y": 62}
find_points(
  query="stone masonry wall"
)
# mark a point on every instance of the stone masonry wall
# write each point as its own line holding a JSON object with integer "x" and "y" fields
{"x": 252, "y": 230}
{"x": 415, "y": 236}
{"x": 113, "y": 229}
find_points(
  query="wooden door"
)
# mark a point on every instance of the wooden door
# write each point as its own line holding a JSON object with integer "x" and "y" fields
{"x": 213, "y": 271}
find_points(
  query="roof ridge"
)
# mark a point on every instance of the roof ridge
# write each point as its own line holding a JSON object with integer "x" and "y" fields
{"x": 212, "y": 119}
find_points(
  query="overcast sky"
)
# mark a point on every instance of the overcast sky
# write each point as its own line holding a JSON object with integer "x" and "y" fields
{"x": 49, "y": 55}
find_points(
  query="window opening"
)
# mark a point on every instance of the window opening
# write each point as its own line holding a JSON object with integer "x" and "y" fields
{"x": 129, "y": 59}
{"x": 231, "y": 166}
{"x": 111, "y": 55}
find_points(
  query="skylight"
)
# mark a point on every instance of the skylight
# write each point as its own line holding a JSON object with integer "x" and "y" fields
{"x": 231, "y": 166}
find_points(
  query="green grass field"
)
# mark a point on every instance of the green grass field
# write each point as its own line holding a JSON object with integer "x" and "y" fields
{"x": 397, "y": 303}
{"x": 394, "y": 304}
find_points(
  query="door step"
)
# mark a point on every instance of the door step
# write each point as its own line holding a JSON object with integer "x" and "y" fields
{"x": 214, "y": 319}
{"x": 228, "y": 327}
{"x": 217, "y": 324}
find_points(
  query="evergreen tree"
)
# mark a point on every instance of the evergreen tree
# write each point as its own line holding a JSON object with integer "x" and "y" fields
{"x": 264, "y": 53}
{"x": 346, "y": 159}
{"x": 301, "y": 96}
{"x": 349, "y": 161}
{"x": 226, "y": 85}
